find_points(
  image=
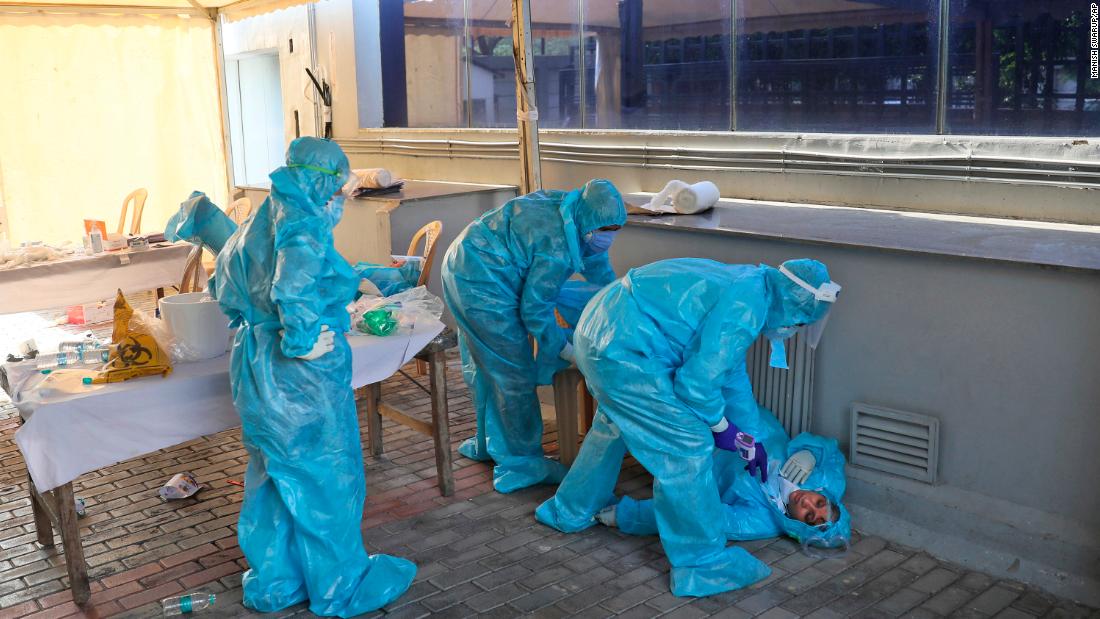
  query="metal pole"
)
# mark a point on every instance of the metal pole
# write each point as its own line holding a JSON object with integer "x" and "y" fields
{"x": 942, "y": 75}
{"x": 527, "y": 115}
{"x": 582, "y": 83}
{"x": 733, "y": 65}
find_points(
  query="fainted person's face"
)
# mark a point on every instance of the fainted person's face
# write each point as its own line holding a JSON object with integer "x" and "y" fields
{"x": 809, "y": 507}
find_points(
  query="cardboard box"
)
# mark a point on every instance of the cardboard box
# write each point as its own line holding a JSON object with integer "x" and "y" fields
{"x": 90, "y": 313}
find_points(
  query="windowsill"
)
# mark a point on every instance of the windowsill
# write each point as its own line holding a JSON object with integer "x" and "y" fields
{"x": 1066, "y": 246}
{"x": 261, "y": 186}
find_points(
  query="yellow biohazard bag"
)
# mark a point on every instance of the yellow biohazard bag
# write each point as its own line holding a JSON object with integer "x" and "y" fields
{"x": 134, "y": 350}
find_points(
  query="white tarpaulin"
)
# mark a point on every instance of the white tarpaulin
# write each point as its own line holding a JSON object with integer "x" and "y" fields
{"x": 66, "y": 436}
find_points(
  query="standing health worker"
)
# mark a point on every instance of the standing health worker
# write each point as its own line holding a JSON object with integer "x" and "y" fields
{"x": 501, "y": 280}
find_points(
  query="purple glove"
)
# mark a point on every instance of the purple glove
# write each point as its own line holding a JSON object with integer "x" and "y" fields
{"x": 727, "y": 439}
{"x": 759, "y": 463}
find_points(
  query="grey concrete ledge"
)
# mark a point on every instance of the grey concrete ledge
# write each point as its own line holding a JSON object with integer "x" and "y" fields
{"x": 1068, "y": 246}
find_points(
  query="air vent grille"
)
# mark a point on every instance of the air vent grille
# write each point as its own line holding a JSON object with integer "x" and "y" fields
{"x": 897, "y": 442}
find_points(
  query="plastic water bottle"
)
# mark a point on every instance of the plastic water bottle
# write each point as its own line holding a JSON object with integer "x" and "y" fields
{"x": 82, "y": 356}
{"x": 89, "y": 351}
{"x": 95, "y": 238}
{"x": 186, "y": 604}
{"x": 55, "y": 360}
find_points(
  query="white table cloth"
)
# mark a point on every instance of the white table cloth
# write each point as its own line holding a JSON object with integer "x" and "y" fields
{"x": 69, "y": 435}
{"x": 83, "y": 279}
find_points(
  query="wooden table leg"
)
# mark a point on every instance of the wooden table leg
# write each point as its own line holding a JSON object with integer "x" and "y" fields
{"x": 372, "y": 393}
{"x": 42, "y": 526}
{"x": 74, "y": 552}
{"x": 567, "y": 413}
{"x": 441, "y": 429}
{"x": 588, "y": 407}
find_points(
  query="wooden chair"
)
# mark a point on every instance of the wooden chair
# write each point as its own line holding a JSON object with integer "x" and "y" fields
{"x": 194, "y": 275}
{"x": 430, "y": 233}
{"x": 240, "y": 210}
{"x": 138, "y": 197}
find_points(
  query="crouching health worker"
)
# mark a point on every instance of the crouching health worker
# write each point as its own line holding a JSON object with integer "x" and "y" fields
{"x": 285, "y": 288}
{"x": 502, "y": 278}
{"x": 663, "y": 351}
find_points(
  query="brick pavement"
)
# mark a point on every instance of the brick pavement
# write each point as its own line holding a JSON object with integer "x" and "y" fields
{"x": 479, "y": 553}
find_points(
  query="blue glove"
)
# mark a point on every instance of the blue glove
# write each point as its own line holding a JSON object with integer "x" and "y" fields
{"x": 725, "y": 435}
{"x": 759, "y": 463}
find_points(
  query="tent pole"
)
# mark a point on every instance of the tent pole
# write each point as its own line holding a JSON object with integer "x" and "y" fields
{"x": 527, "y": 116}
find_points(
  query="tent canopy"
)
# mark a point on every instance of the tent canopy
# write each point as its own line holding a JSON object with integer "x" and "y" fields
{"x": 231, "y": 9}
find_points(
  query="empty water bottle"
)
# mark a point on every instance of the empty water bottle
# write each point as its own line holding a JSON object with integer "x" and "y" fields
{"x": 186, "y": 604}
{"x": 81, "y": 356}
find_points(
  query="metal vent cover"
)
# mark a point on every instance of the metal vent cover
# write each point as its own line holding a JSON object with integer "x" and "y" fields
{"x": 896, "y": 442}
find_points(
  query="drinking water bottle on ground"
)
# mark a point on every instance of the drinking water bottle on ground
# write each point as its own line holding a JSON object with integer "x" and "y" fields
{"x": 186, "y": 604}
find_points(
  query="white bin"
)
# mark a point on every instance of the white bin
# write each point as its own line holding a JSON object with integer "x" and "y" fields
{"x": 198, "y": 325}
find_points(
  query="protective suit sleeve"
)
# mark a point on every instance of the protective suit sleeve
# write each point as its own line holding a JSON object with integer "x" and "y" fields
{"x": 719, "y": 346}
{"x": 828, "y": 474}
{"x": 299, "y": 260}
{"x": 597, "y": 269}
{"x": 545, "y": 279}
{"x": 749, "y": 515}
{"x": 743, "y": 411}
{"x": 200, "y": 222}
{"x": 749, "y": 520}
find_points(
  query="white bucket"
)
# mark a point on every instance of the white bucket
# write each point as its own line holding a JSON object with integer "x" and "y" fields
{"x": 199, "y": 326}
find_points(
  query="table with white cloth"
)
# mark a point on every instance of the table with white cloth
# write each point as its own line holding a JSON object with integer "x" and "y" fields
{"x": 68, "y": 433}
{"x": 83, "y": 278}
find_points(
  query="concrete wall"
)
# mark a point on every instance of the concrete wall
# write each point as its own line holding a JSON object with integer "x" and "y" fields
{"x": 1005, "y": 356}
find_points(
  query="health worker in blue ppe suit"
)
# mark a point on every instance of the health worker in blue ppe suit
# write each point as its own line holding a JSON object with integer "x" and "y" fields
{"x": 502, "y": 279}
{"x": 284, "y": 287}
{"x": 663, "y": 352}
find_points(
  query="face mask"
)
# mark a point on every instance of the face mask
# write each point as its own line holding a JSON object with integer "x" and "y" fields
{"x": 334, "y": 210}
{"x": 599, "y": 241}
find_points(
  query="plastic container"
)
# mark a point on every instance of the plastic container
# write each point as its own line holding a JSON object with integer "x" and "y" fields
{"x": 187, "y": 604}
{"x": 197, "y": 324}
{"x": 95, "y": 240}
{"x": 85, "y": 356}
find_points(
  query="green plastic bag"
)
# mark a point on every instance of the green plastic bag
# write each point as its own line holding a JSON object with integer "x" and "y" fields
{"x": 378, "y": 322}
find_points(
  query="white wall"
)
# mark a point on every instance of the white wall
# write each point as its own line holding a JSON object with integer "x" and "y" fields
{"x": 368, "y": 66}
{"x": 335, "y": 26}
{"x": 275, "y": 31}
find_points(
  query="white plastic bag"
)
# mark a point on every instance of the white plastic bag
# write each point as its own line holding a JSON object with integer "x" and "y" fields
{"x": 408, "y": 308}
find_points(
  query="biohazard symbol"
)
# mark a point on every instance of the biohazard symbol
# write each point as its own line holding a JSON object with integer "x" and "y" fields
{"x": 132, "y": 352}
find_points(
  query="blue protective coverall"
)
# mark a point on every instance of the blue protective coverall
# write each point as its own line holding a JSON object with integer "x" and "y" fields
{"x": 501, "y": 280}
{"x": 279, "y": 279}
{"x": 749, "y": 511}
{"x": 200, "y": 222}
{"x": 663, "y": 352}
{"x": 390, "y": 280}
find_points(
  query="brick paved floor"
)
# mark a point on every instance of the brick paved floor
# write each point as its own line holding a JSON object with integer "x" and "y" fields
{"x": 479, "y": 553}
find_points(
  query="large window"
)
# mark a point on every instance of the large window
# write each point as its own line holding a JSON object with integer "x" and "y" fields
{"x": 828, "y": 65}
{"x": 1011, "y": 67}
{"x": 1021, "y": 68}
{"x": 658, "y": 64}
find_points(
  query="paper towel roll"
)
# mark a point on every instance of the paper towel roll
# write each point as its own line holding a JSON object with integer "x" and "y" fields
{"x": 695, "y": 198}
{"x": 370, "y": 178}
